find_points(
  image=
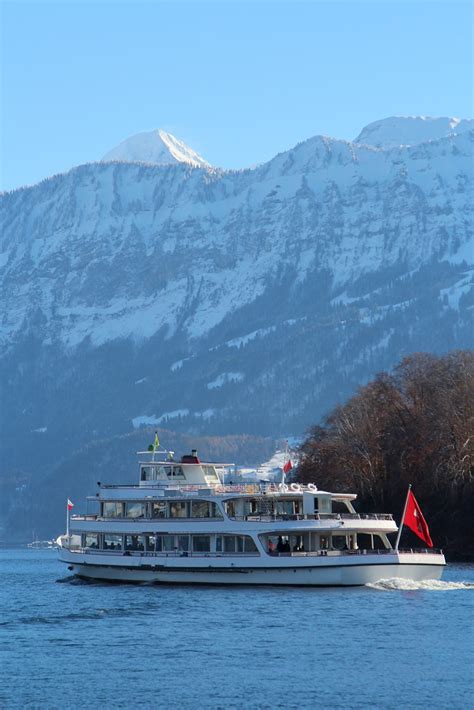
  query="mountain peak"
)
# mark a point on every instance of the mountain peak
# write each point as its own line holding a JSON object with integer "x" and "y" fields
{"x": 159, "y": 147}
{"x": 397, "y": 131}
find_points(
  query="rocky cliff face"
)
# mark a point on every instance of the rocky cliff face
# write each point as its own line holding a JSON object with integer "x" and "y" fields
{"x": 226, "y": 302}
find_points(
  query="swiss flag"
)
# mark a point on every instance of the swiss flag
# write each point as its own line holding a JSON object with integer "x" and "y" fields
{"x": 415, "y": 521}
{"x": 288, "y": 466}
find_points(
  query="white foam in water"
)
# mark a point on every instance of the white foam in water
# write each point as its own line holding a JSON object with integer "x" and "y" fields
{"x": 408, "y": 585}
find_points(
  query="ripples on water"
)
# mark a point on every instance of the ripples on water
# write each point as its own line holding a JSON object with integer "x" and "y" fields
{"x": 65, "y": 643}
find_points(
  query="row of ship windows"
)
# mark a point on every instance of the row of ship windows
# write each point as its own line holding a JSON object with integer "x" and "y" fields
{"x": 157, "y": 472}
{"x": 259, "y": 506}
{"x": 161, "y": 509}
{"x": 168, "y": 543}
{"x": 195, "y": 509}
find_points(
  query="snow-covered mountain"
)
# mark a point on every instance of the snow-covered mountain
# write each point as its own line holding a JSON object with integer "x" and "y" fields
{"x": 398, "y": 131}
{"x": 158, "y": 147}
{"x": 218, "y": 301}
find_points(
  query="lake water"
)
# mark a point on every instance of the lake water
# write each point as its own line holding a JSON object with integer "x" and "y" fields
{"x": 71, "y": 644}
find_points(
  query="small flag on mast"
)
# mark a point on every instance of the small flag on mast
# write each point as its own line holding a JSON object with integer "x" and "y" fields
{"x": 70, "y": 504}
{"x": 288, "y": 466}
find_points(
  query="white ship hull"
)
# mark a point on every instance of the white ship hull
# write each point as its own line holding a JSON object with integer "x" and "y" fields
{"x": 321, "y": 571}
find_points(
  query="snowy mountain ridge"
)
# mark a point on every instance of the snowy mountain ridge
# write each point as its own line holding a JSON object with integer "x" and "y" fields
{"x": 229, "y": 301}
{"x": 223, "y": 235}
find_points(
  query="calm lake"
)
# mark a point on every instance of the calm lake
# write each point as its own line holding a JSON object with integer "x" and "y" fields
{"x": 70, "y": 644}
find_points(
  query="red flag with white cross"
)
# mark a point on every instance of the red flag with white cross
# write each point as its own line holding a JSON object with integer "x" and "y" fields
{"x": 415, "y": 521}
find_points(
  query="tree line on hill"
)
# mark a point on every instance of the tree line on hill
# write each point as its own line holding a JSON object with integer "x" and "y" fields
{"x": 413, "y": 425}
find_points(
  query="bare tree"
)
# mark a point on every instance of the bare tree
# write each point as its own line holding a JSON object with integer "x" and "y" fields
{"x": 414, "y": 425}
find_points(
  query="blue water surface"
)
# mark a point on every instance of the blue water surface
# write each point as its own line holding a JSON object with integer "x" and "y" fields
{"x": 71, "y": 644}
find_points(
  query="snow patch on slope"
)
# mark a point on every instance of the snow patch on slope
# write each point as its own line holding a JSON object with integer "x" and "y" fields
{"x": 224, "y": 378}
{"x": 144, "y": 420}
{"x": 454, "y": 293}
{"x": 244, "y": 339}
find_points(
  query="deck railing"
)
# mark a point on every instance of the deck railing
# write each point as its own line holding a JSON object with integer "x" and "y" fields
{"x": 251, "y": 517}
{"x": 219, "y": 488}
{"x": 268, "y": 517}
{"x": 315, "y": 553}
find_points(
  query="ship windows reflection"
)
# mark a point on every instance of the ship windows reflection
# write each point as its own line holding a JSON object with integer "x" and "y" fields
{"x": 91, "y": 541}
{"x": 159, "y": 509}
{"x": 135, "y": 542}
{"x": 112, "y": 541}
{"x": 178, "y": 509}
{"x": 201, "y": 543}
{"x": 112, "y": 509}
{"x": 181, "y": 544}
{"x": 135, "y": 510}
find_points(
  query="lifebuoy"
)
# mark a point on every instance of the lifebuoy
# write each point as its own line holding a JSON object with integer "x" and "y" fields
{"x": 312, "y": 487}
{"x": 295, "y": 487}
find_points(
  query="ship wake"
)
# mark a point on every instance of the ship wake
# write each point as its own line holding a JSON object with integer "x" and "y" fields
{"x": 408, "y": 585}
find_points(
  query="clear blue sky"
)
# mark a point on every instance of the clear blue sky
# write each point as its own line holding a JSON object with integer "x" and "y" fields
{"x": 238, "y": 82}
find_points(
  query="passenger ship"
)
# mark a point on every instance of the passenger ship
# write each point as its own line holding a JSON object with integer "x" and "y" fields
{"x": 192, "y": 522}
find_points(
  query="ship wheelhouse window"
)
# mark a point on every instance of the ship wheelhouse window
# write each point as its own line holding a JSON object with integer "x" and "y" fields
{"x": 134, "y": 542}
{"x": 210, "y": 473}
{"x": 135, "y": 510}
{"x": 159, "y": 509}
{"x": 324, "y": 505}
{"x": 201, "y": 543}
{"x": 168, "y": 471}
{"x": 112, "y": 541}
{"x": 112, "y": 509}
{"x": 90, "y": 540}
{"x": 148, "y": 473}
{"x": 178, "y": 509}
